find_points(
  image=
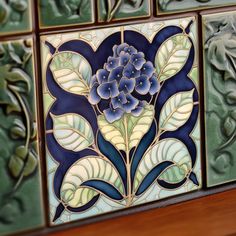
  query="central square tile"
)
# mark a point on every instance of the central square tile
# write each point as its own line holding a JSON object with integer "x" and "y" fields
{"x": 121, "y": 117}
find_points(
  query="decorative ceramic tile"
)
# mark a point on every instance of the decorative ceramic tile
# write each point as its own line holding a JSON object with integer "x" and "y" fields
{"x": 55, "y": 13}
{"x": 166, "y": 6}
{"x": 15, "y": 16}
{"x": 111, "y": 10}
{"x": 121, "y": 113}
{"x": 220, "y": 96}
{"x": 20, "y": 185}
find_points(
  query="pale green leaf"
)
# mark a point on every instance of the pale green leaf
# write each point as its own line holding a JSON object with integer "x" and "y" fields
{"x": 88, "y": 168}
{"x": 72, "y": 132}
{"x": 172, "y": 56}
{"x": 127, "y": 132}
{"x": 176, "y": 111}
{"x": 165, "y": 150}
{"x": 72, "y": 72}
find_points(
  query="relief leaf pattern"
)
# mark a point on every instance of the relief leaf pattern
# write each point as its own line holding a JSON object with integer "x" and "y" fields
{"x": 127, "y": 132}
{"x": 75, "y": 192}
{"x": 176, "y": 111}
{"x": 72, "y": 72}
{"x": 172, "y": 56}
{"x": 72, "y": 132}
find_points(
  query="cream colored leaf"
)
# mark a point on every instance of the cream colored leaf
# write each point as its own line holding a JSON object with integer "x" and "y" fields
{"x": 72, "y": 72}
{"x": 176, "y": 111}
{"x": 88, "y": 168}
{"x": 127, "y": 132}
{"x": 172, "y": 56}
{"x": 72, "y": 132}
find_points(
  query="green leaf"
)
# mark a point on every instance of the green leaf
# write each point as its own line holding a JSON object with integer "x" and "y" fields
{"x": 18, "y": 129}
{"x": 16, "y": 164}
{"x": 165, "y": 150}
{"x": 72, "y": 72}
{"x": 123, "y": 138}
{"x": 172, "y": 56}
{"x": 88, "y": 168}
{"x": 31, "y": 164}
{"x": 176, "y": 111}
{"x": 73, "y": 132}
{"x": 163, "y": 4}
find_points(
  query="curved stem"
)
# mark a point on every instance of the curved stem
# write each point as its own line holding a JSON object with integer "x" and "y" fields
{"x": 111, "y": 12}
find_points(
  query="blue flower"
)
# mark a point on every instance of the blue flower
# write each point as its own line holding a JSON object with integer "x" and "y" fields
{"x": 131, "y": 103}
{"x": 117, "y": 87}
{"x": 116, "y": 74}
{"x": 112, "y": 114}
{"x": 127, "y": 85}
{"x": 119, "y": 101}
{"x": 108, "y": 90}
{"x": 124, "y": 58}
{"x": 112, "y": 63}
{"x": 138, "y": 60}
{"x": 130, "y": 71}
{"x": 102, "y": 76}
{"x": 155, "y": 85}
{"x": 147, "y": 69}
{"x": 139, "y": 108}
{"x": 142, "y": 85}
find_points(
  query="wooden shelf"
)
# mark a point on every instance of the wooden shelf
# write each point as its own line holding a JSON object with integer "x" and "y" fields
{"x": 213, "y": 215}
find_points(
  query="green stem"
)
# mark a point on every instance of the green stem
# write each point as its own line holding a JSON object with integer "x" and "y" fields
{"x": 111, "y": 12}
{"x": 24, "y": 108}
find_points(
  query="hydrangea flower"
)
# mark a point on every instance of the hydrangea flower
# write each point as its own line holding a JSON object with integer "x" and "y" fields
{"x": 125, "y": 75}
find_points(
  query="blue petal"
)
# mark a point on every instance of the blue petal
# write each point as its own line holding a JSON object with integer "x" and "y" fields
{"x": 130, "y": 71}
{"x": 138, "y": 109}
{"x": 113, "y": 114}
{"x": 127, "y": 85}
{"x": 116, "y": 74}
{"x": 155, "y": 85}
{"x": 131, "y": 103}
{"x": 118, "y": 49}
{"x": 130, "y": 49}
{"x": 93, "y": 97}
{"x": 142, "y": 85}
{"x": 124, "y": 58}
{"x": 93, "y": 81}
{"x": 138, "y": 60}
{"x": 112, "y": 63}
{"x": 108, "y": 90}
{"x": 148, "y": 69}
{"x": 118, "y": 101}
{"x": 102, "y": 76}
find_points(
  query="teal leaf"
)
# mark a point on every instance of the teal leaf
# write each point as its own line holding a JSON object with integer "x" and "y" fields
{"x": 127, "y": 132}
{"x": 172, "y": 56}
{"x": 176, "y": 111}
{"x": 88, "y": 169}
{"x": 72, "y": 72}
{"x": 73, "y": 132}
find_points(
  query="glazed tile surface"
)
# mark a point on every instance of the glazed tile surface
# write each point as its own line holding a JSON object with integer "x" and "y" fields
{"x": 110, "y": 10}
{"x": 122, "y": 117}
{"x": 166, "y": 6}
{"x": 20, "y": 186}
{"x": 220, "y": 97}
{"x": 62, "y": 13}
{"x": 15, "y": 16}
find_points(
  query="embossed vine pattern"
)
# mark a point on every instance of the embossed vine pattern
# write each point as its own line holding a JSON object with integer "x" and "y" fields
{"x": 15, "y": 88}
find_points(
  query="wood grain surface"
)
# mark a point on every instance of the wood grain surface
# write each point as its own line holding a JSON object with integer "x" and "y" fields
{"x": 211, "y": 216}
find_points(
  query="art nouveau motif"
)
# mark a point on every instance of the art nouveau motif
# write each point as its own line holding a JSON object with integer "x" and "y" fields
{"x": 220, "y": 87}
{"x": 20, "y": 189}
{"x": 121, "y": 116}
